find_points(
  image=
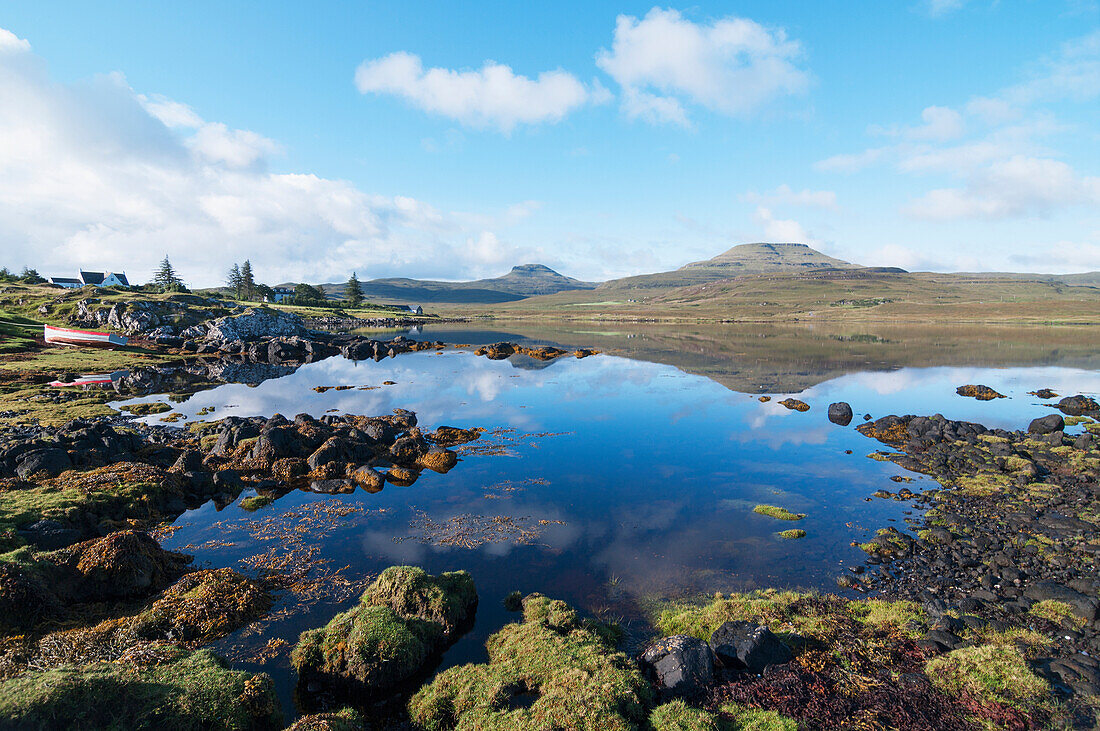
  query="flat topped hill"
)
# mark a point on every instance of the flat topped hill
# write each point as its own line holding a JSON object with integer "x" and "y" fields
{"x": 525, "y": 280}
{"x": 765, "y": 258}
{"x": 742, "y": 260}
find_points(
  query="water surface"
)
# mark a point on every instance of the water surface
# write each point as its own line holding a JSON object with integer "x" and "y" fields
{"x": 610, "y": 481}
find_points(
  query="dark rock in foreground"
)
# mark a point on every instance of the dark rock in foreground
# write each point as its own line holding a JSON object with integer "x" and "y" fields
{"x": 748, "y": 646}
{"x": 681, "y": 665}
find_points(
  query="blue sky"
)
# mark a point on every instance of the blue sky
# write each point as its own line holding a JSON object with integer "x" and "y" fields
{"x": 454, "y": 140}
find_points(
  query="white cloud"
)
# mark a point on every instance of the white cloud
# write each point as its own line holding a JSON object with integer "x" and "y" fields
{"x": 784, "y": 196}
{"x": 733, "y": 66}
{"x": 654, "y": 109}
{"x": 12, "y": 44}
{"x": 96, "y": 175}
{"x": 1001, "y": 167}
{"x": 491, "y": 97}
{"x": 938, "y": 8}
{"x": 782, "y": 230}
{"x": 851, "y": 162}
{"x": 1018, "y": 186}
{"x": 1072, "y": 73}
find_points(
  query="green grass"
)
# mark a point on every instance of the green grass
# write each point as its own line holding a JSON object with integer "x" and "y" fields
{"x": 1055, "y": 611}
{"x": 756, "y": 719}
{"x": 195, "y": 691}
{"x": 679, "y": 716}
{"x": 116, "y": 492}
{"x": 410, "y": 591}
{"x": 991, "y": 674}
{"x": 773, "y": 511}
{"x": 549, "y": 671}
{"x": 255, "y": 502}
{"x": 792, "y": 534}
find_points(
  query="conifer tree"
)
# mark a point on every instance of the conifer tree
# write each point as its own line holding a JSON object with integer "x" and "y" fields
{"x": 352, "y": 293}
{"x": 233, "y": 280}
{"x": 166, "y": 278}
{"x": 248, "y": 283}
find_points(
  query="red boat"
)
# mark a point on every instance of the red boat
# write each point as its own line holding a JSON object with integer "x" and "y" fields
{"x": 66, "y": 336}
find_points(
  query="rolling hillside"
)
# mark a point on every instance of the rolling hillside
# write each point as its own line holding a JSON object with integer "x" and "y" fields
{"x": 525, "y": 280}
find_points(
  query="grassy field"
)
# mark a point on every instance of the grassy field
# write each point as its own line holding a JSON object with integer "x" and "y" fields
{"x": 838, "y": 296}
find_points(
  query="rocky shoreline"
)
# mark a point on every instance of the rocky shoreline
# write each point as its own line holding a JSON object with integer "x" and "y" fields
{"x": 984, "y": 614}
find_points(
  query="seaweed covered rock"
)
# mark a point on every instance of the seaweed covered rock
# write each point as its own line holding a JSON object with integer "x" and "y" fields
{"x": 449, "y": 436}
{"x": 1078, "y": 405}
{"x": 192, "y": 691}
{"x": 794, "y": 404}
{"x": 402, "y": 621}
{"x": 202, "y": 607}
{"x": 121, "y": 565}
{"x": 979, "y": 392}
{"x": 549, "y": 671}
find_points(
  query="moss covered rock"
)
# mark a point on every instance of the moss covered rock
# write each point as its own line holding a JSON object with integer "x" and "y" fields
{"x": 346, "y": 719}
{"x": 193, "y": 691}
{"x": 402, "y": 620}
{"x": 448, "y": 599}
{"x": 550, "y": 671}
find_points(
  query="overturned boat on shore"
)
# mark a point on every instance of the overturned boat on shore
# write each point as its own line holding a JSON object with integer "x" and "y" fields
{"x": 92, "y": 338}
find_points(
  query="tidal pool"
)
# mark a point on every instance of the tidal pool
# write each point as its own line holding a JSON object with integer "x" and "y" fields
{"x": 605, "y": 481}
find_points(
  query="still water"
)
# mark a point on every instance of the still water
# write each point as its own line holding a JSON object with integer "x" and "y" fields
{"x": 606, "y": 481}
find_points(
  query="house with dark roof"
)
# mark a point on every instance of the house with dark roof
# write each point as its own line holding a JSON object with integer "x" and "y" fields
{"x": 97, "y": 279}
{"x": 104, "y": 279}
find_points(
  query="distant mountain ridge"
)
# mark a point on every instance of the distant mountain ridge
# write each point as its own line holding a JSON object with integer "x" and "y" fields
{"x": 739, "y": 261}
{"x": 525, "y": 280}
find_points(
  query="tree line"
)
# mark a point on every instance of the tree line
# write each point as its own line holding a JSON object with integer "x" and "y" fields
{"x": 240, "y": 280}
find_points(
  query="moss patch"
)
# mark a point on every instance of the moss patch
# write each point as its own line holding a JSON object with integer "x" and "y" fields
{"x": 743, "y": 718}
{"x": 679, "y": 716}
{"x": 403, "y": 618}
{"x": 255, "y": 502}
{"x": 773, "y": 511}
{"x": 549, "y": 671}
{"x": 144, "y": 409}
{"x": 195, "y": 691}
{"x": 991, "y": 678}
{"x": 1055, "y": 611}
